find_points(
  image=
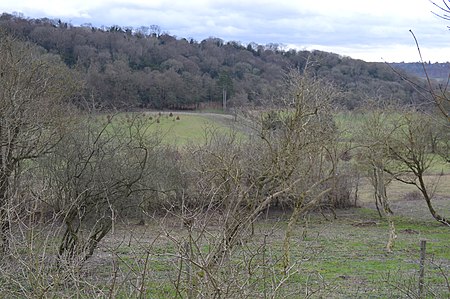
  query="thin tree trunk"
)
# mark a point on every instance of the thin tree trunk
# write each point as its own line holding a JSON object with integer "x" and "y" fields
{"x": 377, "y": 195}
{"x": 381, "y": 195}
{"x": 4, "y": 229}
{"x": 433, "y": 212}
{"x": 4, "y": 217}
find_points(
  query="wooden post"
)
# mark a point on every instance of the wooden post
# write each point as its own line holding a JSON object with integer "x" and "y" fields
{"x": 423, "y": 244}
{"x": 264, "y": 266}
{"x": 190, "y": 293}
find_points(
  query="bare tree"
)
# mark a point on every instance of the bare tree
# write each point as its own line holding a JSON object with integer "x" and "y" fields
{"x": 284, "y": 160}
{"x": 378, "y": 126}
{"x": 437, "y": 93}
{"x": 409, "y": 148}
{"x": 93, "y": 174}
{"x": 34, "y": 95}
{"x": 444, "y": 10}
{"x": 396, "y": 141}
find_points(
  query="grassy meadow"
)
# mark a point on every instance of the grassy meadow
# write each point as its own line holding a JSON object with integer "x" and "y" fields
{"x": 181, "y": 128}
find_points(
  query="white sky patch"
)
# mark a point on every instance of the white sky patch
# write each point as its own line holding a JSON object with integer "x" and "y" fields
{"x": 393, "y": 53}
{"x": 364, "y": 29}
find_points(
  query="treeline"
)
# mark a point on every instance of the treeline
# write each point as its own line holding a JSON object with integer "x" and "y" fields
{"x": 437, "y": 71}
{"x": 145, "y": 67}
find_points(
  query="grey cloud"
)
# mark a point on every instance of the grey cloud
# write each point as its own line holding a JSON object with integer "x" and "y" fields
{"x": 282, "y": 22}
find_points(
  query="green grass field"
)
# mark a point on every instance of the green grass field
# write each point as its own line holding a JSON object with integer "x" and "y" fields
{"x": 183, "y": 128}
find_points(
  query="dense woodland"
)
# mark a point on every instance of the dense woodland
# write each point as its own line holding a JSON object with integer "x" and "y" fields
{"x": 148, "y": 68}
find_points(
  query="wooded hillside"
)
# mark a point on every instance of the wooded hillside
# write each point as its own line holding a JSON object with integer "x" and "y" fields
{"x": 147, "y": 68}
{"x": 436, "y": 71}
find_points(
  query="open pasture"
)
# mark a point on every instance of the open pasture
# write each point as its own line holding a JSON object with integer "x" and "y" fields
{"x": 181, "y": 128}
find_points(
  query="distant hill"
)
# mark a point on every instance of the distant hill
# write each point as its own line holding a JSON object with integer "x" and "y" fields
{"x": 145, "y": 67}
{"x": 436, "y": 71}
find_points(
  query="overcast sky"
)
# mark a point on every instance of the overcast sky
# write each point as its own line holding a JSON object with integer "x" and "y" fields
{"x": 376, "y": 30}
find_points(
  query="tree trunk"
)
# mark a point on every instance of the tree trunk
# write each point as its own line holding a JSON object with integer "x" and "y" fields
{"x": 4, "y": 228}
{"x": 380, "y": 193}
{"x": 4, "y": 218}
{"x": 74, "y": 246}
{"x": 425, "y": 194}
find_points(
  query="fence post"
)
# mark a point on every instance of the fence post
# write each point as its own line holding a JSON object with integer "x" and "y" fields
{"x": 187, "y": 248}
{"x": 423, "y": 244}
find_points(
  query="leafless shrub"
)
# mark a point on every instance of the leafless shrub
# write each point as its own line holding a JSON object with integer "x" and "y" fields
{"x": 97, "y": 171}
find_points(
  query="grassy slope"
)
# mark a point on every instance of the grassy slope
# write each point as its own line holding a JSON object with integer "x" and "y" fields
{"x": 190, "y": 127}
